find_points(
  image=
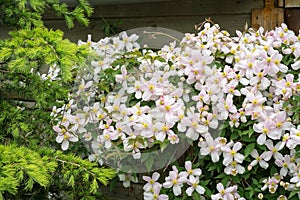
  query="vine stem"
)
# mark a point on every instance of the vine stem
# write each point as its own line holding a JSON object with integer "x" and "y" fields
{"x": 154, "y": 34}
{"x": 74, "y": 164}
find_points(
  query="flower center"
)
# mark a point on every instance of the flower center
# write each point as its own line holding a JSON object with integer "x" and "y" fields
{"x": 168, "y": 108}
{"x": 232, "y": 152}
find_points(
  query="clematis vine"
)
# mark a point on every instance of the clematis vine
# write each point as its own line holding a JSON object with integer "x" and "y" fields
{"x": 233, "y": 99}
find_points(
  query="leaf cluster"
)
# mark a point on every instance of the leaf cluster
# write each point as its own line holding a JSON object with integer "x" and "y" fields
{"x": 46, "y": 170}
{"x": 26, "y": 14}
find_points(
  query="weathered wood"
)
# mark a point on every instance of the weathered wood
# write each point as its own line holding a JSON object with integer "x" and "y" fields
{"x": 180, "y": 15}
{"x": 134, "y": 192}
{"x": 3, "y": 31}
{"x": 292, "y": 3}
{"x": 292, "y": 17}
{"x": 268, "y": 17}
{"x": 180, "y": 8}
{"x": 182, "y": 24}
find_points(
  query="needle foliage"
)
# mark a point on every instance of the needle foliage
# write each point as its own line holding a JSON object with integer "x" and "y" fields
{"x": 36, "y": 73}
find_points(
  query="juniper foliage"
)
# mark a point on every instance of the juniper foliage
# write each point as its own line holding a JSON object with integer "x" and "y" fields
{"x": 32, "y": 166}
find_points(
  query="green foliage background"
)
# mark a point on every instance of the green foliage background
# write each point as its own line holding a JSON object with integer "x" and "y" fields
{"x": 31, "y": 164}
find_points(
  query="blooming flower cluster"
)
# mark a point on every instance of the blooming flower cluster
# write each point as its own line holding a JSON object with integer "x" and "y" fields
{"x": 234, "y": 98}
{"x": 175, "y": 180}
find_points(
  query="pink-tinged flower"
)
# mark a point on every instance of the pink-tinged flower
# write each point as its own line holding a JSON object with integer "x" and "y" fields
{"x": 282, "y": 197}
{"x": 242, "y": 115}
{"x": 162, "y": 130}
{"x": 224, "y": 193}
{"x": 129, "y": 42}
{"x": 274, "y": 150}
{"x": 118, "y": 45}
{"x": 173, "y": 138}
{"x": 228, "y": 72}
{"x": 254, "y": 102}
{"x": 137, "y": 110}
{"x": 131, "y": 144}
{"x": 286, "y": 87}
{"x": 260, "y": 159}
{"x": 169, "y": 107}
{"x": 190, "y": 171}
{"x": 79, "y": 120}
{"x": 151, "y": 181}
{"x": 231, "y": 89}
{"x": 232, "y": 154}
{"x": 66, "y": 134}
{"x": 272, "y": 183}
{"x": 93, "y": 113}
{"x": 266, "y": 129}
{"x": 284, "y": 164}
{"x": 195, "y": 65}
{"x": 201, "y": 98}
{"x": 296, "y": 65}
{"x": 194, "y": 185}
{"x": 234, "y": 168}
{"x": 121, "y": 113}
{"x": 211, "y": 147}
{"x": 175, "y": 180}
{"x": 83, "y": 86}
{"x": 260, "y": 80}
{"x": 107, "y": 137}
{"x": 115, "y": 107}
{"x": 245, "y": 66}
{"x": 234, "y": 120}
{"x": 144, "y": 124}
{"x": 87, "y": 136}
{"x": 281, "y": 123}
{"x": 296, "y": 178}
{"x": 193, "y": 125}
{"x": 136, "y": 88}
{"x": 272, "y": 63}
{"x": 151, "y": 90}
{"x": 294, "y": 162}
{"x": 212, "y": 89}
{"x": 210, "y": 120}
{"x": 225, "y": 107}
{"x": 55, "y": 111}
{"x": 154, "y": 194}
{"x": 295, "y": 136}
{"x": 127, "y": 178}
{"x": 122, "y": 78}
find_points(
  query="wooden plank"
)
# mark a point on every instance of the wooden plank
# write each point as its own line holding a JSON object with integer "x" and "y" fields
{"x": 182, "y": 24}
{"x": 175, "y": 8}
{"x": 134, "y": 192}
{"x": 268, "y": 17}
{"x": 292, "y": 3}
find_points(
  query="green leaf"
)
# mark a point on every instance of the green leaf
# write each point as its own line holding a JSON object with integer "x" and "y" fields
{"x": 293, "y": 193}
{"x": 196, "y": 196}
{"x": 234, "y": 136}
{"x": 249, "y": 148}
{"x": 297, "y": 98}
{"x": 285, "y": 104}
{"x": 221, "y": 176}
